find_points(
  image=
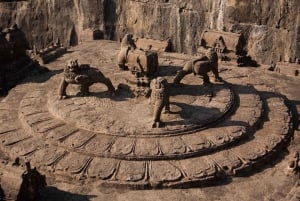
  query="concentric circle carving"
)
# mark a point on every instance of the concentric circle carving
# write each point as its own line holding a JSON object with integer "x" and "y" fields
{"x": 211, "y": 133}
{"x": 120, "y": 116}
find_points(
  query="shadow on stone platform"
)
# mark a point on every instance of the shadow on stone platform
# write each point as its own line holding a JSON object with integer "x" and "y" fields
{"x": 53, "y": 194}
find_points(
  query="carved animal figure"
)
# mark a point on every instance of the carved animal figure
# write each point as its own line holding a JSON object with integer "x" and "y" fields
{"x": 201, "y": 67}
{"x": 127, "y": 44}
{"x": 220, "y": 45}
{"x": 139, "y": 62}
{"x": 84, "y": 76}
{"x": 128, "y": 41}
{"x": 160, "y": 99}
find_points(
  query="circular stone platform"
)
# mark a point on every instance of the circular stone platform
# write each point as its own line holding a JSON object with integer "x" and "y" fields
{"x": 211, "y": 133}
{"x": 190, "y": 109}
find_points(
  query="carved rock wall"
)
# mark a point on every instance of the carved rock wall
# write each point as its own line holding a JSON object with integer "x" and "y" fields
{"x": 47, "y": 20}
{"x": 271, "y": 27}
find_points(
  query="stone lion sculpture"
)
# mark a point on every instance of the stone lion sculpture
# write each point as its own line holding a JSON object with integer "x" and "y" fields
{"x": 84, "y": 76}
{"x": 128, "y": 41}
{"x": 201, "y": 67}
{"x": 127, "y": 44}
{"x": 160, "y": 99}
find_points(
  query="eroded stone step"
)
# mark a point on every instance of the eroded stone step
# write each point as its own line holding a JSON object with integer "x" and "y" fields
{"x": 12, "y": 100}
{"x": 224, "y": 134}
{"x": 232, "y": 161}
{"x": 24, "y": 147}
{"x": 13, "y": 137}
{"x": 153, "y": 148}
{"x": 171, "y": 173}
{"x": 47, "y": 156}
{"x": 267, "y": 140}
{"x": 72, "y": 163}
{"x": 250, "y": 106}
{"x": 148, "y": 162}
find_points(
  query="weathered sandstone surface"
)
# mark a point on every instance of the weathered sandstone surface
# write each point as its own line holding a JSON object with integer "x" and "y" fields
{"x": 271, "y": 27}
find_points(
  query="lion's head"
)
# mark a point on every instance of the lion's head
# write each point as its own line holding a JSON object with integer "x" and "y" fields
{"x": 72, "y": 65}
{"x": 212, "y": 55}
{"x": 128, "y": 41}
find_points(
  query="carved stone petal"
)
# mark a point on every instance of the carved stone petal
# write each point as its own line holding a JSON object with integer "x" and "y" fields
{"x": 78, "y": 139}
{"x": 251, "y": 151}
{"x": 25, "y": 147}
{"x": 48, "y": 125}
{"x": 36, "y": 118}
{"x": 32, "y": 101}
{"x": 47, "y": 156}
{"x": 271, "y": 141}
{"x": 146, "y": 147}
{"x": 236, "y": 132}
{"x": 196, "y": 142}
{"x": 280, "y": 115}
{"x": 122, "y": 146}
{"x": 13, "y": 137}
{"x": 102, "y": 168}
{"x": 25, "y": 111}
{"x": 131, "y": 171}
{"x": 227, "y": 161}
{"x": 163, "y": 171}
{"x": 61, "y": 133}
{"x": 196, "y": 168}
{"x": 172, "y": 145}
{"x": 98, "y": 145}
{"x": 278, "y": 128}
{"x": 73, "y": 163}
{"x": 255, "y": 154}
{"x": 219, "y": 139}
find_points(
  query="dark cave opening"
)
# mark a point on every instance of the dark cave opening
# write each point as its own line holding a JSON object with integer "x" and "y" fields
{"x": 110, "y": 18}
{"x": 73, "y": 37}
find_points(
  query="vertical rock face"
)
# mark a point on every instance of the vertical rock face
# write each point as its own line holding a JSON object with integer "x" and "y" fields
{"x": 271, "y": 27}
{"x": 45, "y": 21}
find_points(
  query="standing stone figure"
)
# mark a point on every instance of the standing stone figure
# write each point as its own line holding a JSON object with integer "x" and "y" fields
{"x": 160, "y": 99}
{"x": 201, "y": 67}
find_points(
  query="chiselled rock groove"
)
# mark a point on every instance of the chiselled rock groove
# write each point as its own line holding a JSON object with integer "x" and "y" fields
{"x": 229, "y": 144}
